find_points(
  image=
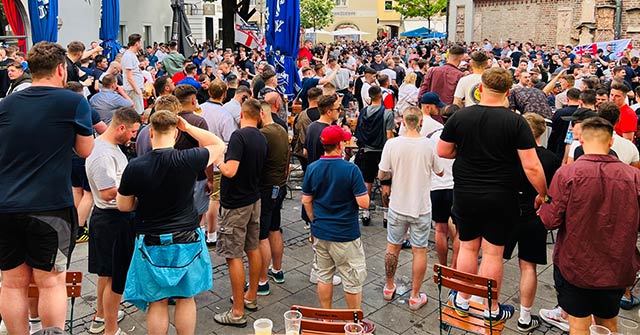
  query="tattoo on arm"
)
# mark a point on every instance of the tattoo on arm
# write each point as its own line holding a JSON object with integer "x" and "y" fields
{"x": 390, "y": 264}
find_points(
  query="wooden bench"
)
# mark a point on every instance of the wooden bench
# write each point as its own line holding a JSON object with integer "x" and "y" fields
{"x": 73, "y": 283}
{"x": 326, "y": 321}
{"x": 471, "y": 284}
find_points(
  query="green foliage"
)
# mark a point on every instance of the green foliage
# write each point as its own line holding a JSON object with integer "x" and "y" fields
{"x": 316, "y": 13}
{"x": 420, "y": 8}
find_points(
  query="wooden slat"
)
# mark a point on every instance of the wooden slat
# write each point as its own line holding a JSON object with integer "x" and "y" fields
{"x": 480, "y": 291}
{"x": 463, "y": 276}
{"x": 471, "y": 323}
{"x": 73, "y": 282}
{"x": 314, "y": 319}
{"x": 465, "y": 282}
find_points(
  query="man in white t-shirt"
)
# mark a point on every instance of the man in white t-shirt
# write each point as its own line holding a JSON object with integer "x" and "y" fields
{"x": 431, "y": 105}
{"x": 410, "y": 160}
{"x": 467, "y": 93}
{"x": 133, "y": 79}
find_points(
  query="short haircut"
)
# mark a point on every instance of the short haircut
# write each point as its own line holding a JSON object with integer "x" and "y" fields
{"x": 412, "y": 116}
{"x": 133, "y": 39}
{"x": 478, "y": 59}
{"x": 588, "y": 97}
{"x": 251, "y": 109}
{"x": 217, "y": 89}
{"x": 74, "y": 86}
{"x": 184, "y": 92}
{"x": 589, "y": 83}
{"x": 170, "y": 103}
{"x": 497, "y": 79}
{"x": 602, "y": 91}
{"x": 43, "y": 59}
{"x": 190, "y": 68}
{"x": 75, "y": 47}
{"x": 125, "y": 115}
{"x": 232, "y": 80}
{"x": 617, "y": 69}
{"x": 596, "y": 129}
{"x": 99, "y": 58}
{"x": 314, "y": 93}
{"x": 326, "y": 102}
{"x": 305, "y": 69}
{"x": 375, "y": 92}
{"x": 173, "y": 45}
{"x": 268, "y": 74}
{"x": 202, "y": 78}
{"x": 448, "y": 111}
{"x": 571, "y": 80}
{"x": 609, "y": 111}
{"x": 160, "y": 83}
{"x": 573, "y": 93}
{"x": 537, "y": 124}
{"x": 163, "y": 121}
{"x": 227, "y": 62}
{"x": 456, "y": 50}
{"x": 15, "y": 64}
{"x": 108, "y": 80}
{"x": 243, "y": 89}
{"x": 383, "y": 80}
{"x": 615, "y": 85}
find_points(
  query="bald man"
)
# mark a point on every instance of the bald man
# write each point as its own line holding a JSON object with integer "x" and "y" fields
{"x": 274, "y": 101}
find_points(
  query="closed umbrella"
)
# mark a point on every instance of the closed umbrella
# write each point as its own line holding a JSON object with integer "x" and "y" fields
{"x": 181, "y": 31}
{"x": 282, "y": 35}
{"x": 109, "y": 26}
{"x": 44, "y": 20}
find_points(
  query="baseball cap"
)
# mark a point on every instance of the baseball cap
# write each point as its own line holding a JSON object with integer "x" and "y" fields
{"x": 431, "y": 98}
{"x": 334, "y": 135}
{"x": 580, "y": 115}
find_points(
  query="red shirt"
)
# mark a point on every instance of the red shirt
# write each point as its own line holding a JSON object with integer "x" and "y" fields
{"x": 305, "y": 53}
{"x": 178, "y": 77}
{"x": 441, "y": 80}
{"x": 595, "y": 205}
{"x": 628, "y": 121}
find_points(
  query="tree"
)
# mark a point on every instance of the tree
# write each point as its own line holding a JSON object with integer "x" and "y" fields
{"x": 316, "y": 14}
{"x": 420, "y": 8}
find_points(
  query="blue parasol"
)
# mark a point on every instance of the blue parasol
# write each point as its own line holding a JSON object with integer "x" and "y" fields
{"x": 283, "y": 36}
{"x": 109, "y": 26}
{"x": 44, "y": 20}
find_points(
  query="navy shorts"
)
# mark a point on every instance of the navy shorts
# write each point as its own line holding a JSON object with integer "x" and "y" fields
{"x": 487, "y": 215}
{"x": 441, "y": 202}
{"x": 270, "y": 216}
{"x": 530, "y": 235}
{"x": 79, "y": 174}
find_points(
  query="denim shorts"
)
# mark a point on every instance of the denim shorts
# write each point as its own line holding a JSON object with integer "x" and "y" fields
{"x": 419, "y": 229}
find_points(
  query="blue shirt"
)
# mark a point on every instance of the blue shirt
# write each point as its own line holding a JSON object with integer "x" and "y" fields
{"x": 307, "y": 84}
{"x": 38, "y": 128}
{"x": 106, "y": 102}
{"x": 334, "y": 185}
{"x": 190, "y": 81}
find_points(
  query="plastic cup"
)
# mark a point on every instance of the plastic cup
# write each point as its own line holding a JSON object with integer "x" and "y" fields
{"x": 263, "y": 326}
{"x": 599, "y": 330}
{"x": 292, "y": 321}
{"x": 628, "y": 327}
{"x": 353, "y": 329}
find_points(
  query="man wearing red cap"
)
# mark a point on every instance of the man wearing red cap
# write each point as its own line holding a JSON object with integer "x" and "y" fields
{"x": 330, "y": 187}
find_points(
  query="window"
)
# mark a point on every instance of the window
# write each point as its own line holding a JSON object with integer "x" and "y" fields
{"x": 388, "y": 5}
{"x": 122, "y": 39}
{"x": 167, "y": 34}
{"x": 341, "y": 3}
{"x": 147, "y": 35}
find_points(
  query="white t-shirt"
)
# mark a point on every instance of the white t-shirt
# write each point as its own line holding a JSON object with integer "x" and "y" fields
{"x": 572, "y": 148}
{"x": 446, "y": 181}
{"x": 130, "y": 62}
{"x": 104, "y": 169}
{"x": 467, "y": 89}
{"x": 625, "y": 149}
{"x": 389, "y": 72}
{"x": 429, "y": 125}
{"x": 410, "y": 161}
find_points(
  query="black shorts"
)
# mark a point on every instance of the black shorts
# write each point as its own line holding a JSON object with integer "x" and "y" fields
{"x": 581, "y": 302}
{"x": 487, "y": 215}
{"x": 111, "y": 243}
{"x": 270, "y": 216}
{"x": 530, "y": 235}
{"x": 79, "y": 174}
{"x": 369, "y": 165}
{"x": 42, "y": 240}
{"x": 441, "y": 202}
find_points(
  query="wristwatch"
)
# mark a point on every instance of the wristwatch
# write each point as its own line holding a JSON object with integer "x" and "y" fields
{"x": 547, "y": 199}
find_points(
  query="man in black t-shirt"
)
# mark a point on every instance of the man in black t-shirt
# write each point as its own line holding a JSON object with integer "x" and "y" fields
{"x": 302, "y": 122}
{"x": 239, "y": 226}
{"x": 489, "y": 143}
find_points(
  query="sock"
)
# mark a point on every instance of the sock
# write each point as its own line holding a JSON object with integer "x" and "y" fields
{"x": 263, "y": 282}
{"x": 365, "y": 213}
{"x": 384, "y": 215}
{"x": 493, "y": 313}
{"x": 462, "y": 302}
{"x": 275, "y": 271}
{"x": 525, "y": 315}
{"x": 212, "y": 237}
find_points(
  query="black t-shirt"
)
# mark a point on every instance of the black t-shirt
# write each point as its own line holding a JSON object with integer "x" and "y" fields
{"x": 249, "y": 147}
{"x": 73, "y": 71}
{"x": 580, "y": 151}
{"x": 312, "y": 141}
{"x": 313, "y": 113}
{"x": 550, "y": 164}
{"x": 487, "y": 141}
{"x": 163, "y": 182}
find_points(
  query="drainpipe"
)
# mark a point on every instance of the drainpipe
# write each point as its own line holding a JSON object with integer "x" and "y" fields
{"x": 618, "y": 19}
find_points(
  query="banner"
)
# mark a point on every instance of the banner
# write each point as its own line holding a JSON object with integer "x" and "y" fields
{"x": 283, "y": 38}
{"x": 44, "y": 20}
{"x": 109, "y": 27}
{"x": 246, "y": 34}
{"x": 618, "y": 47}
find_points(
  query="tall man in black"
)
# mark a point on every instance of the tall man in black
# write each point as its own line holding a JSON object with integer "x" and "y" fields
{"x": 239, "y": 226}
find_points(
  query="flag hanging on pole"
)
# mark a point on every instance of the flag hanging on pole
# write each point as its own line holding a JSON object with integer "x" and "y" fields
{"x": 247, "y": 35}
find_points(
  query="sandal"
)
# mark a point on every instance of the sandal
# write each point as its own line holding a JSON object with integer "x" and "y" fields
{"x": 629, "y": 303}
{"x": 227, "y": 319}
{"x": 388, "y": 294}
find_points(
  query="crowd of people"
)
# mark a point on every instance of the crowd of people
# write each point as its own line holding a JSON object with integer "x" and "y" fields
{"x": 156, "y": 156}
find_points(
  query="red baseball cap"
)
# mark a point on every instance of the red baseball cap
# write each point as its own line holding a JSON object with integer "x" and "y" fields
{"x": 334, "y": 135}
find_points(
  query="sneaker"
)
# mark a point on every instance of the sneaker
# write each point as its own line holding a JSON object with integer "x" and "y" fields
{"x": 406, "y": 245}
{"x": 384, "y": 223}
{"x": 277, "y": 277}
{"x": 248, "y": 304}
{"x": 527, "y": 327}
{"x": 262, "y": 289}
{"x": 171, "y": 301}
{"x": 313, "y": 278}
{"x": 387, "y": 293}
{"x": 3, "y": 328}
{"x": 120, "y": 332}
{"x": 629, "y": 303}
{"x": 462, "y": 311}
{"x": 417, "y": 303}
{"x": 35, "y": 325}
{"x": 83, "y": 235}
{"x": 554, "y": 318}
{"x": 505, "y": 312}
{"x": 97, "y": 324}
{"x": 227, "y": 319}
{"x": 307, "y": 225}
{"x": 366, "y": 221}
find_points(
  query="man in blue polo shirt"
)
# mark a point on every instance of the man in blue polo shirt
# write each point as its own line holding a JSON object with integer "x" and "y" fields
{"x": 332, "y": 191}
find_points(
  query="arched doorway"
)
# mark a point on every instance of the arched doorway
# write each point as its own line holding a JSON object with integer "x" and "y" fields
{"x": 347, "y": 37}
{"x": 14, "y": 24}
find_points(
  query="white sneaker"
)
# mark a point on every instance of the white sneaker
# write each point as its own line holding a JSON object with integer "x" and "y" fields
{"x": 97, "y": 324}
{"x": 554, "y": 318}
{"x": 313, "y": 278}
{"x": 35, "y": 325}
{"x": 3, "y": 328}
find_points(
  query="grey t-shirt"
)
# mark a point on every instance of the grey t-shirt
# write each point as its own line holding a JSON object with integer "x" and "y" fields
{"x": 389, "y": 124}
{"x": 104, "y": 169}
{"x": 130, "y": 62}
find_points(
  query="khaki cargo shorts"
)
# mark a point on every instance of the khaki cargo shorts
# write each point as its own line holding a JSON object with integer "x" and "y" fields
{"x": 346, "y": 258}
{"x": 238, "y": 230}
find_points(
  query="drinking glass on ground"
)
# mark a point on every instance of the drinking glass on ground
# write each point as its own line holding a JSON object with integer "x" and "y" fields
{"x": 599, "y": 330}
{"x": 292, "y": 321}
{"x": 263, "y": 326}
{"x": 628, "y": 327}
{"x": 353, "y": 329}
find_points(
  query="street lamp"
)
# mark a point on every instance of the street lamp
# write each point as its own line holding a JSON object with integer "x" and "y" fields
{"x": 260, "y": 4}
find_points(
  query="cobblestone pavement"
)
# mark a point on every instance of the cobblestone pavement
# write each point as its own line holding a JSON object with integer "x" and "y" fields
{"x": 392, "y": 317}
